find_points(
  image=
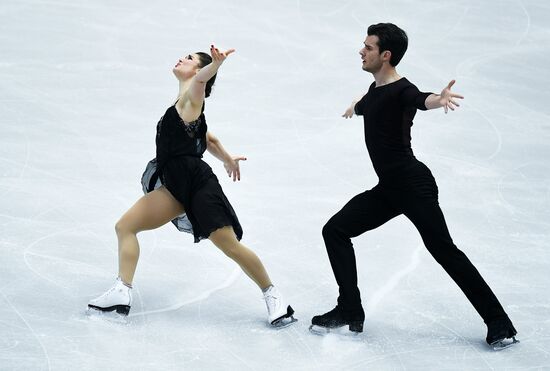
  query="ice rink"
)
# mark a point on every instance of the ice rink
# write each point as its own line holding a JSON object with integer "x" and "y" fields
{"x": 82, "y": 86}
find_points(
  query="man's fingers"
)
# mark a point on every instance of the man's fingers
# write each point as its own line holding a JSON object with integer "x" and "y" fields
{"x": 229, "y": 51}
{"x": 347, "y": 114}
{"x": 451, "y": 84}
{"x": 457, "y": 96}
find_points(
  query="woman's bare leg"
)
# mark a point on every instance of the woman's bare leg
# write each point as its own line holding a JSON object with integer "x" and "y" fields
{"x": 224, "y": 238}
{"x": 149, "y": 212}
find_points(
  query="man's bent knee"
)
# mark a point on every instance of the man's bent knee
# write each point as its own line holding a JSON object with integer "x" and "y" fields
{"x": 330, "y": 229}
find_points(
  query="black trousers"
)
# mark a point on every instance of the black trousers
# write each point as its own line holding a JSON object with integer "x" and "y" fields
{"x": 417, "y": 199}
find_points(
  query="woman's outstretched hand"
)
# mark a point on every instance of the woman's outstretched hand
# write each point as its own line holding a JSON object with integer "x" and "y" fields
{"x": 217, "y": 56}
{"x": 232, "y": 167}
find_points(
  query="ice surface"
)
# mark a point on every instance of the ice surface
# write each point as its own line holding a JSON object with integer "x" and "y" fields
{"x": 82, "y": 86}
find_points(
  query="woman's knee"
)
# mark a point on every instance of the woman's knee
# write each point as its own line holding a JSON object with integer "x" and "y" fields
{"x": 225, "y": 240}
{"x": 124, "y": 226}
{"x": 231, "y": 249}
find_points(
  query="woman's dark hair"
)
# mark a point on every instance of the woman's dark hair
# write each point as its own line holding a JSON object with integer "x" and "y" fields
{"x": 205, "y": 59}
{"x": 392, "y": 38}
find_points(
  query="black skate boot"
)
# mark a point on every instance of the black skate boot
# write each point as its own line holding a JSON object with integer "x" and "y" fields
{"x": 501, "y": 333}
{"x": 336, "y": 318}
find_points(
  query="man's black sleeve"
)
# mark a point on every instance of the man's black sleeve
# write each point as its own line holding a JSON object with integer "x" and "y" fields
{"x": 360, "y": 106}
{"x": 411, "y": 96}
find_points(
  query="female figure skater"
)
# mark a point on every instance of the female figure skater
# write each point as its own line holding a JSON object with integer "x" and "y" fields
{"x": 181, "y": 187}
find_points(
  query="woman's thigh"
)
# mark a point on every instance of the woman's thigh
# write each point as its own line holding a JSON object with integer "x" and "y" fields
{"x": 151, "y": 211}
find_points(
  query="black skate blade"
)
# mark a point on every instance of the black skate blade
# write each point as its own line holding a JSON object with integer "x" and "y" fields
{"x": 339, "y": 331}
{"x": 120, "y": 309}
{"x": 504, "y": 343}
{"x": 285, "y": 320}
{"x": 110, "y": 316}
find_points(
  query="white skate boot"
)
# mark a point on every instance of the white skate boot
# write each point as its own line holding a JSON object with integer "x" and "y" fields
{"x": 279, "y": 315}
{"x": 118, "y": 298}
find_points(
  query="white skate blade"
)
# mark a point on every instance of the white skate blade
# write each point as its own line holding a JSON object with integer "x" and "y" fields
{"x": 339, "y": 331}
{"x": 505, "y": 343}
{"x": 283, "y": 322}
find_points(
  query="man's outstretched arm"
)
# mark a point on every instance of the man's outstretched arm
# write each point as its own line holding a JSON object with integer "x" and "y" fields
{"x": 446, "y": 99}
{"x": 351, "y": 109}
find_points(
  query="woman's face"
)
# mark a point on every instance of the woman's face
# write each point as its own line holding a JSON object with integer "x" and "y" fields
{"x": 186, "y": 67}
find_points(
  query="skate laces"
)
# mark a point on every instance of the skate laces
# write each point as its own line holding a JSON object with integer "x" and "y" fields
{"x": 105, "y": 294}
{"x": 112, "y": 289}
{"x": 271, "y": 298}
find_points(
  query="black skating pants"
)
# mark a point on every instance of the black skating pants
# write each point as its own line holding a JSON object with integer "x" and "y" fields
{"x": 418, "y": 201}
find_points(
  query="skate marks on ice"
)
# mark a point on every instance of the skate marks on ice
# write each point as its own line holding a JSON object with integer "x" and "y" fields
{"x": 32, "y": 331}
{"x": 132, "y": 318}
{"x": 138, "y": 320}
{"x": 376, "y": 298}
{"x": 206, "y": 294}
{"x": 526, "y": 202}
{"x": 372, "y": 303}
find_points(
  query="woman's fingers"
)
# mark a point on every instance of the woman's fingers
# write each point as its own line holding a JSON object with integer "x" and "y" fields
{"x": 217, "y": 55}
{"x": 229, "y": 51}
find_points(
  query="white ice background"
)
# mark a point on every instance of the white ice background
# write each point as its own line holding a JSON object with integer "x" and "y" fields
{"x": 82, "y": 86}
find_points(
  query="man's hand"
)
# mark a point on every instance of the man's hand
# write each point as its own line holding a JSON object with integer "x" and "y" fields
{"x": 447, "y": 99}
{"x": 232, "y": 167}
{"x": 350, "y": 110}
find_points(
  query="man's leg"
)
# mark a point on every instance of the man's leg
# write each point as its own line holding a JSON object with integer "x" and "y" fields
{"x": 428, "y": 218}
{"x": 366, "y": 211}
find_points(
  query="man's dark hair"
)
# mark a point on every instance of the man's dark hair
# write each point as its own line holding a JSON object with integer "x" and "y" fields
{"x": 392, "y": 38}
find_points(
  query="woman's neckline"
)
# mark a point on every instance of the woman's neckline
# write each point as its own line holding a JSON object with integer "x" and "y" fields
{"x": 186, "y": 123}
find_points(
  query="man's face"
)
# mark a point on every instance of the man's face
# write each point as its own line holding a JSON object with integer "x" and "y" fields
{"x": 370, "y": 55}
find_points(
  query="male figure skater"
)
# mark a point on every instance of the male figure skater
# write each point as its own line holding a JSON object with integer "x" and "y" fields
{"x": 406, "y": 186}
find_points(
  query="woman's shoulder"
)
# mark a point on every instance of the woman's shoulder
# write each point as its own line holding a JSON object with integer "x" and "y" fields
{"x": 187, "y": 111}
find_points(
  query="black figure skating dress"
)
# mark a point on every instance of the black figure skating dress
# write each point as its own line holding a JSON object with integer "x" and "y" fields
{"x": 179, "y": 167}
